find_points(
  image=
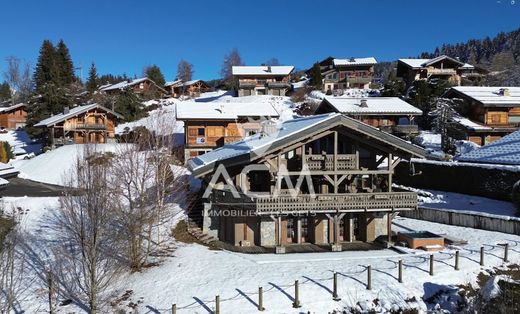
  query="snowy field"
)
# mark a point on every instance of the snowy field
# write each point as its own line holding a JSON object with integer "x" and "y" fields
{"x": 194, "y": 274}
{"x": 52, "y": 166}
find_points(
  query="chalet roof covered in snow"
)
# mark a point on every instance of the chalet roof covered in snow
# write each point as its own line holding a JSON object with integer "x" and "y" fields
{"x": 370, "y": 106}
{"x": 355, "y": 61}
{"x": 73, "y": 112}
{"x": 263, "y": 70}
{"x": 189, "y": 110}
{"x": 423, "y": 63}
{"x": 172, "y": 83}
{"x": 123, "y": 84}
{"x": 179, "y": 83}
{"x": 504, "y": 151}
{"x": 13, "y": 107}
{"x": 289, "y": 132}
{"x": 489, "y": 96}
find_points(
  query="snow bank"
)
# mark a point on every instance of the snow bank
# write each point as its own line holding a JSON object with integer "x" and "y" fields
{"x": 20, "y": 142}
{"x": 52, "y": 166}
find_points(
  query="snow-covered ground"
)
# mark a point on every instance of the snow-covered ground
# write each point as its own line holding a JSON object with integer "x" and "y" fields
{"x": 20, "y": 142}
{"x": 194, "y": 275}
{"x": 52, "y": 166}
{"x": 467, "y": 203}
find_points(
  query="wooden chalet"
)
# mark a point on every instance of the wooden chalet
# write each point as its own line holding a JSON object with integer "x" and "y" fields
{"x": 191, "y": 88}
{"x": 13, "y": 117}
{"x": 263, "y": 80}
{"x": 441, "y": 67}
{"x": 213, "y": 124}
{"x": 142, "y": 86}
{"x": 486, "y": 113}
{"x": 83, "y": 124}
{"x": 389, "y": 114}
{"x": 345, "y": 196}
{"x": 341, "y": 74}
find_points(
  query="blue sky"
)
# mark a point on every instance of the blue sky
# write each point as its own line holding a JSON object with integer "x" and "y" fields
{"x": 125, "y": 36}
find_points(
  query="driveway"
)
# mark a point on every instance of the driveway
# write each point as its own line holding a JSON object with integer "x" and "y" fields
{"x": 19, "y": 187}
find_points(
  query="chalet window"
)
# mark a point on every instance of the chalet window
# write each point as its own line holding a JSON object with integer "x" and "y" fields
{"x": 201, "y": 131}
{"x": 141, "y": 86}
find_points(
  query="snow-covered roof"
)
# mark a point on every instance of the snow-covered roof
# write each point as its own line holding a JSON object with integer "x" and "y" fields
{"x": 503, "y": 151}
{"x": 422, "y": 63}
{"x": 471, "y": 125}
{"x": 489, "y": 95}
{"x": 372, "y": 106}
{"x": 73, "y": 112}
{"x": 170, "y": 83}
{"x": 291, "y": 131}
{"x": 355, "y": 61}
{"x": 13, "y": 107}
{"x": 263, "y": 70}
{"x": 223, "y": 110}
{"x": 123, "y": 84}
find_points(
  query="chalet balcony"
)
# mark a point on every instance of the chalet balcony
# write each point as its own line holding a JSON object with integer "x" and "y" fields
{"x": 400, "y": 129}
{"x": 442, "y": 72}
{"x": 278, "y": 84}
{"x": 318, "y": 203}
{"x": 86, "y": 126}
{"x": 326, "y": 162}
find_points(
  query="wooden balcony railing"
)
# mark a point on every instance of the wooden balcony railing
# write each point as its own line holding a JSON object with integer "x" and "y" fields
{"x": 319, "y": 203}
{"x": 435, "y": 71}
{"x": 326, "y": 162}
{"x": 86, "y": 126}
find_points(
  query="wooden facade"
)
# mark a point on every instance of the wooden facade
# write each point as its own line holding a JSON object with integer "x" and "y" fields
{"x": 263, "y": 80}
{"x": 442, "y": 67}
{"x": 13, "y": 117}
{"x": 336, "y": 76}
{"x": 142, "y": 86}
{"x": 82, "y": 125}
{"x": 346, "y": 196}
{"x": 201, "y": 136}
{"x": 492, "y": 122}
{"x": 190, "y": 88}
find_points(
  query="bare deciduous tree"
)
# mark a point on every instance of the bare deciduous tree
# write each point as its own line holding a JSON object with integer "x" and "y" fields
{"x": 226, "y": 72}
{"x": 184, "y": 71}
{"x": 18, "y": 75}
{"x": 85, "y": 221}
{"x": 12, "y": 265}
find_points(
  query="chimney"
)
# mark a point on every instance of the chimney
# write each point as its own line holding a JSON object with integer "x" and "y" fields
{"x": 504, "y": 92}
{"x": 65, "y": 109}
{"x": 269, "y": 68}
{"x": 363, "y": 103}
{"x": 268, "y": 128}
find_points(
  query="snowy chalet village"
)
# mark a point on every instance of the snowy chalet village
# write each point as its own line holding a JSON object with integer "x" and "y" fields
{"x": 330, "y": 189}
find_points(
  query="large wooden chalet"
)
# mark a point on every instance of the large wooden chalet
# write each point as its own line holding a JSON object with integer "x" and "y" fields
{"x": 389, "y": 114}
{"x": 191, "y": 88}
{"x": 13, "y": 117}
{"x": 142, "y": 86}
{"x": 213, "y": 124}
{"x": 347, "y": 195}
{"x": 91, "y": 123}
{"x": 441, "y": 67}
{"x": 341, "y": 74}
{"x": 487, "y": 113}
{"x": 263, "y": 80}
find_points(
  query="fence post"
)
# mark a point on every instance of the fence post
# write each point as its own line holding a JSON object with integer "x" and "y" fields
{"x": 431, "y": 264}
{"x": 400, "y": 277}
{"x": 457, "y": 260}
{"x": 217, "y": 304}
{"x": 506, "y": 249}
{"x": 481, "y": 256}
{"x": 260, "y": 299}
{"x": 369, "y": 277}
{"x": 296, "y": 303}
{"x": 174, "y": 308}
{"x": 335, "y": 288}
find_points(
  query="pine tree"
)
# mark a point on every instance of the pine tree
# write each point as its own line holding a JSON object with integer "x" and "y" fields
{"x": 92, "y": 82}
{"x": 46, "y": 69}
{"x": 316, "y": 79}
{"x": 64, "y": 64}
{"x": 128, "y": 104}
{"x": 5, "y": 91}
{"x": 154, "y": 73}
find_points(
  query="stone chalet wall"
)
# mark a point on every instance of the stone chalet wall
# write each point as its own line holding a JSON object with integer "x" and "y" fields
{"x": 504, "y": 224}
{"x": 493, "y": 181}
